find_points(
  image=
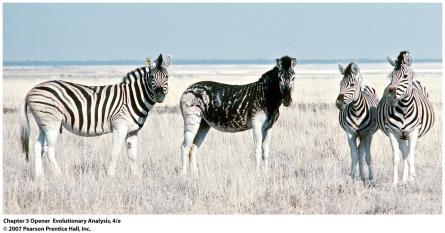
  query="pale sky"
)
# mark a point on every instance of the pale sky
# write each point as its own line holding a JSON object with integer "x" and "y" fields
{"x": 220, "y": 31}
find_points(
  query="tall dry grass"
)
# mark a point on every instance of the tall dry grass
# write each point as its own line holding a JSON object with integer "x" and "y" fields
{"x": 309, "y": 161}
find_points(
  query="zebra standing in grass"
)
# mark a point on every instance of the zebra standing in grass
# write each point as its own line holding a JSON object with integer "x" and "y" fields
{"x": 235, "y": 108}
{"x": 404, "y": 114}
{"x": 358, "y": 117}
{"x": 120, "y": 109}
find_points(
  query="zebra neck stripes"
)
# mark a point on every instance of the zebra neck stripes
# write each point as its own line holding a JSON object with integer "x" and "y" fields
{"x": 139, "y": 96}
{"x": 355, "y": 111}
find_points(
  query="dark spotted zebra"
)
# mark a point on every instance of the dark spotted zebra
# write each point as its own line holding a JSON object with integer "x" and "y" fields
{"x": 404, "y": 114}
{"x": 358, "y": 117}
{"x": 120, "y": 109}
{"x": 235, "y": 108}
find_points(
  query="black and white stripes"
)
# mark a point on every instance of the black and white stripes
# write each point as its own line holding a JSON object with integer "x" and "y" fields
{"x": 404, "y": 113}
{"x": 358, "y": 116}
{"x": 95, "y": 110}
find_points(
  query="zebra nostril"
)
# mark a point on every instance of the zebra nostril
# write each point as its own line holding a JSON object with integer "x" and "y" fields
{"x": 158, "y": 90}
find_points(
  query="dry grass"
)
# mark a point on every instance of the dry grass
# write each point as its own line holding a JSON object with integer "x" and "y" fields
{"x": 309, "y": 156}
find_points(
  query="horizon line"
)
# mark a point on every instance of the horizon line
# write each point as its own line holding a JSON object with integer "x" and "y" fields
{"x": 205, "y": 61}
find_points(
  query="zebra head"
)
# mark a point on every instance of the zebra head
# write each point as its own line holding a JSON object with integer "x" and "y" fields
{"x": 402, "y": 78}
{"x": 286, "y": 75}
{"x": 349, "y": 86}
{"x": 158, "y": 77}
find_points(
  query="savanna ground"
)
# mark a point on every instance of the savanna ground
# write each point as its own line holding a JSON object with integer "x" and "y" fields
{"x": 309, "y": 161}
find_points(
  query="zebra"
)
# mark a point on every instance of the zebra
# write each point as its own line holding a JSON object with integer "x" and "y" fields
{"x": 120, "y": 109}
{"x": 358, "y": 117}
{"x": 404, "y": 114}
{"x": 235, "y": 108}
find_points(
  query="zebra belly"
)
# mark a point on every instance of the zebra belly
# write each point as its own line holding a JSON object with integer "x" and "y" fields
{"x": 234, "y": 125}
{"x": 227, "y": 115}
{"x": 93, "y": 132}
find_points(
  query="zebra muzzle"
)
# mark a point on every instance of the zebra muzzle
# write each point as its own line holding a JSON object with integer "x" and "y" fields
{"x": 287, "y": 99}
{"x": 392, "y": 90}
{"x": 339, "y": 102}
{"x": 159, "y": 95}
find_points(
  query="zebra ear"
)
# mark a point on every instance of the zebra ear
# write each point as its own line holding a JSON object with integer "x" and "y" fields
{"x": 278, "y": 63}
{"x": 407, "y": 59}
{"x": 341, "y": 69}
{"x": 148, "y": 61}
{"x": 167, "y": 62}
{"x": 159, "y": 60}
{"x": 392, "y": 61}
{"x": 293, "y": 62}
{"x": 354, "y": 68}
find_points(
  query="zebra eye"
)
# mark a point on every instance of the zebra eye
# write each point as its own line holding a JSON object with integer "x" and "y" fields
{"x": 352, "y": 84}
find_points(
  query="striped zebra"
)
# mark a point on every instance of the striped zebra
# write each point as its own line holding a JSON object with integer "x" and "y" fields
{"x": 404, "y": 114}
{"x": 235, "y": 108}
{"x": 358, "y": 117}
{"x": 120, "y": 109}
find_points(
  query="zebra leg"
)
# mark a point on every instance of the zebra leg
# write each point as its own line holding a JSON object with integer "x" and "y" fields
{"x": 45, "y": 149}
{"x": 199, "y": 138}
{"x": 38, "y": 168}
{"x": 192, "y": 122}
{"x": 257, "y": 139}
{"x": 132, "y": 151}
{"x": 396, "y": 157}
{"x": 368, "y": 158}
{"x": 361, "y": 157}
{"x": 403, "y": 146}
{"x": 119, "y": 134}
{"x": 352, "y": 140}
{"x": 265, "y": 147}
{"x": 258, "y": 121}
{"x": 51, "y": 136}
{"x": 412, "y": 141}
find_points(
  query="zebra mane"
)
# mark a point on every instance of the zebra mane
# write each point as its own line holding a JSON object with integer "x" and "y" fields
{"x": 135, "y": 74}
{"x": 269, "y": 75}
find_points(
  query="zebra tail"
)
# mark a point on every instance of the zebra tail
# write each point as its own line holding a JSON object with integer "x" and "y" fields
{"x": 24, "y": 129}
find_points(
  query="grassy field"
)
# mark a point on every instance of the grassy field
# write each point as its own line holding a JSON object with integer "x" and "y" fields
{"x": 309, "y": 155}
